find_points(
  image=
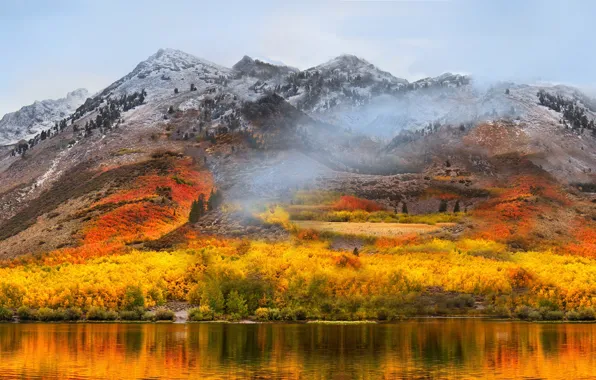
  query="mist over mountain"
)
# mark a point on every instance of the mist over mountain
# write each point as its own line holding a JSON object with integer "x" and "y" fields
{"x": 348, "y": 94}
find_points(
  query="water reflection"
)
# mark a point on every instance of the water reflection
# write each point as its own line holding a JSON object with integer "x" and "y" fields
{"x": 413, "y": 349}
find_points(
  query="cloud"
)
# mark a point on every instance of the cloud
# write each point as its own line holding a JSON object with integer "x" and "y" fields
{"x": 305, "y": 40}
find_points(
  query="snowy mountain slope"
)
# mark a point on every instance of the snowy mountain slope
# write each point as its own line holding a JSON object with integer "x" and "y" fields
{"x": 165, "y": 70}
{"x": 31, "y": 119}
{"x": 347, "y": 92}
{"x": 354, "y": 110}
{"x": 262, "y": 70}
{"x": 345, "y": 80}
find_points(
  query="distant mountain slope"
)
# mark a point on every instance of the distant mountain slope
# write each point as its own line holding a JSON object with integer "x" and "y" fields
{"x": 265, "y": 129}
{"x": 31, "y": 119}
{"x": 347, "y": 93}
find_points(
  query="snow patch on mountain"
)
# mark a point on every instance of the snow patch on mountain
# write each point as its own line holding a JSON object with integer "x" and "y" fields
{"x": 30, "y": 120}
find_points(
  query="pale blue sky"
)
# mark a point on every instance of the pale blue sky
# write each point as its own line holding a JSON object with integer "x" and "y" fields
{"x": 51, "y": 47}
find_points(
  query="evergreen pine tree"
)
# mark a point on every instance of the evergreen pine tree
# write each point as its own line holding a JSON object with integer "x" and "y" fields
{"x": 193, "y": 217}
{"x": 404, "y": 208}
{"x": 201, "y": 205}
{"x": 211, "y": 201}
{"x": 443, "y": 206}
{"x": 215, "y": 199}
{"x": 456, "y": 207}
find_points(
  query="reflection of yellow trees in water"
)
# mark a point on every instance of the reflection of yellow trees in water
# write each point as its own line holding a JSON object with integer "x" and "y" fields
{"x": 433, "y": 348}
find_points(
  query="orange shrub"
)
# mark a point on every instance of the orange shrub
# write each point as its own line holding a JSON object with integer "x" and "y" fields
{"x": 350, "y": 203}
{"x": 308, "y": 234}
{"x": 347, "y": 261}
{"x": 386, "y": 242}
{"x": 154, "y": 205}
{"x": 443, "y": 194}
{"x": 519, "y": 277}
{"x": 585, "y": 245}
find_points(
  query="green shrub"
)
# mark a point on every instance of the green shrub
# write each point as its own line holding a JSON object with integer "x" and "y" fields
{"x": 382, "y": 315}
{"x": 100, "y": 314}
{"x": 293, "y": 314}
{"x": 111, "y": 315}
{"x": 73, "y": 314}
{"x": 5, "y": 314}
{"x": 572, "y": 315}
{"x": 95, "y": 314}
{"x": 535, "y": 315}
{"x": 201, "y": 313}
{"x": 586, "y": 314}
{"x": 45, "y": 314}
{"x": 133, "y": 298}
{"x": 274, "y": 314}
{"x": 547, "y": 304}
{"x": 554, "y": 315}
{"x": 149, "y": 316}
{"x": 132, "y": 315}
{"x": 522, "y": 312}
{"x": 501, "y": 312}
{"x": 262, "y": 314}
{"x": 163, "y": 314}
{"x": 212, "y": 295}
{"x": 26, "y": 314}
{"x": 461, "y": 301}
{"x": 236, "y": 304}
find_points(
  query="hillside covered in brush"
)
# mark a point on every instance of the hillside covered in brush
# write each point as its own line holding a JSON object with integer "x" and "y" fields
{"x": 269, "y": 192}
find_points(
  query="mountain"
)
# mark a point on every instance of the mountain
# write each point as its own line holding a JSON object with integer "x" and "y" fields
{"x": 346, "y": 113}
{"x": 347, "y": 94}
{"x": 165, "y": 70}
{"x": 188, "y": 176}
{"x": 30, "y": 120}
{"x": 262, "y": 70}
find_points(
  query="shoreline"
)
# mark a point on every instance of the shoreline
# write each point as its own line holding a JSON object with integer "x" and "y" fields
{"x": 310, "y": 322}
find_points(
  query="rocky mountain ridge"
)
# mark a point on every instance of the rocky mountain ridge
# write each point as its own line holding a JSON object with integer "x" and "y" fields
{"x": 30, "y": 120}
{"x": 364, "y": 109}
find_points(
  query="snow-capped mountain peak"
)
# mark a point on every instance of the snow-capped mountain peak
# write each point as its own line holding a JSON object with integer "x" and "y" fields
{"x": 260, "y": 69}
{"x": 443, "y": 80}
{"x": 174, "y": 60}
{"x": 345, "y": 60}
{"x": 351, "y": 64}
{"x": 30, "y": 120}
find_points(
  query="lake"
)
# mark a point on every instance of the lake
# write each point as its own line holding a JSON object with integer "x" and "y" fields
{"x": 432, "y": 348}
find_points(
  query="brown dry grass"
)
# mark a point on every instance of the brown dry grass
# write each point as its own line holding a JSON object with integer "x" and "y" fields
{"x": 370, "y": 229}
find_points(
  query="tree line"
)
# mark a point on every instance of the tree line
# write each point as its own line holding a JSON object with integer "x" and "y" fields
{"x": 104, "y": 121}
{"x": 200, "y": 207}
{"x": 574, "y": 115}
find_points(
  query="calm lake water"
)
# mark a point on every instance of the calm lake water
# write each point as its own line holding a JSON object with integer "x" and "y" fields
{"x": 449, "y": 348}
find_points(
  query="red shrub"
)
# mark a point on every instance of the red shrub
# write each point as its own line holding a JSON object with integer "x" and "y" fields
{"x": 350, "y": 203}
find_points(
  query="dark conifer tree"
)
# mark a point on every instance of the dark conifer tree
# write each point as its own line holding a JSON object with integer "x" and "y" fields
{"x": 456, "y": 207}
{"x": 193, "y": 217}
{"x": 443, "y": 206}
